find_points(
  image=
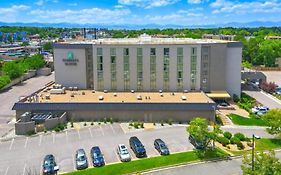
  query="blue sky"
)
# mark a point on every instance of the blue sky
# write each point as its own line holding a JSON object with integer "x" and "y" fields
{"x": 182, "y": 12}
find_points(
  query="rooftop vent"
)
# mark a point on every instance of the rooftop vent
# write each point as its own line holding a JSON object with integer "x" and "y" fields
{"x": 75, "y": 88}
{"x": 173, "y": 93}
{"x": 160, "y": 91}
{"x": 185, "y": 91}
{"x": 93, "y": 91}
{"x": 161, "y": 94}
{"x": 101, "y": 97}
{"x": 70, "y": 88}
{"x": 132, "y": 91}
{"x": 139, "y": 97}
{"x": 105, "y": 91}
{"x": 115, "y": 94}
{"x": 183, "y": 97}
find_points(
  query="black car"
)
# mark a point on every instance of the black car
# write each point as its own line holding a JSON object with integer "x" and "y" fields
{"x": 197, "y": 144}
{"x": 137, "y": 147}
{"x": 97, "y": 157}
{"x": 161, "y": 147}
{"x": 49, "y": 165}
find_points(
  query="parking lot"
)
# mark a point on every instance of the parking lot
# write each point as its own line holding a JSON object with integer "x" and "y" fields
{"x": 26, "y": 154}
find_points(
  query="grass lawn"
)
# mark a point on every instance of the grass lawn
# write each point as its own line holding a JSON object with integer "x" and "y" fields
{"x": 150, "y": 163}
{"x": 239, "y": 120}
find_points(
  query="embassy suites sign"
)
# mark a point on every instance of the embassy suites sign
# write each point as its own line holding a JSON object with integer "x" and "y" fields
{"x": 70, "y": 60}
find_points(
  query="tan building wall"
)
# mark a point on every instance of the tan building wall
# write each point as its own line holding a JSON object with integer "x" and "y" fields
{"x": 140, "y": 115}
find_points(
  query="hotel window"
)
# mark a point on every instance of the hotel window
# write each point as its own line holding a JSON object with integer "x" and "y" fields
{"x": 139, "y": 69}
{"x": 100, "y": 69}
{"x": 152, "y": 69}
{"x": 180, "y": 69}
{"x": 126, "y": 63}
{"x": 113, "y": 68}
{"x": 166, "y": 69}
{"x": 193, "y": 65}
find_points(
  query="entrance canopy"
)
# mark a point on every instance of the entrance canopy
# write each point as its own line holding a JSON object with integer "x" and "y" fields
{"x": 218, "y": 94}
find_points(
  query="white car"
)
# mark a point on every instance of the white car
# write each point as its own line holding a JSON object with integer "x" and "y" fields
{"x": 123, "y": 153}
{"x": 278, "y": 90}
{"x": 260, "y": 110}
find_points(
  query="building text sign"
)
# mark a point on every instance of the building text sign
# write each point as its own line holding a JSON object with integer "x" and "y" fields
{"x": 70, "y": 60}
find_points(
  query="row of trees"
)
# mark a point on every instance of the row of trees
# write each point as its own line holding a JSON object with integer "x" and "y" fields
{"x": 14, "y": 69}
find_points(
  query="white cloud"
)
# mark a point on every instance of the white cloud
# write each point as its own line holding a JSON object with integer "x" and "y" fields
{"x": 147, "y": 3}
{"x": 9, "y": 14}
{"x": 194, "y": 1}
{"x": 92, "y": 15}
{"x": 225, "y": 6}
{"x": 41, "y": 2}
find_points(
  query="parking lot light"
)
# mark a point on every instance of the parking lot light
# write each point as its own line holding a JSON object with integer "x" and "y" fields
{"x": 253, "y": 149}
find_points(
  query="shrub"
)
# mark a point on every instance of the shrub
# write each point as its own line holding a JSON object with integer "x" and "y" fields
{"x": 180, "y": 122}
{"x": 71, "y": 124}
{"x": 57, "y": 129}
{"x": 4, "y": 80}
{"x": 141, "y": 125}
{"x": 30, "y": 133}
{"x": 170, "y": 121}
{"x": 240, "y": 136}
{"x": 110, "y": 120}
{"x": 235, "y": 98}
{"x": 92, "y": 123}
{"x": 224, "y": 141}
{"x": 104, "y": 120}
{"x": 99, "y": 123}
{"x": 227, "y": 135}
{"x": 234, "y": 140}
{"x": 162, "y": 123}
{"x": 136, "y": 125}
{"x": 131, "y": 124}
{"x": 240, "y": 146}
{"x": 85, "y": 124}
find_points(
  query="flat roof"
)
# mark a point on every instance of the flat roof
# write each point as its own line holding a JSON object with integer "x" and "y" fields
{"x": 146, "y": 39}
{"x": 89, "y": 96}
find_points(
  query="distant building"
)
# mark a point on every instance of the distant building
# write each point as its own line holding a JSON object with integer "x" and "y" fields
{"x": 219, "y": 37}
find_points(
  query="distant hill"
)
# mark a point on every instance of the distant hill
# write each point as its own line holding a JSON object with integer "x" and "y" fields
{"x": 132, "y": 26}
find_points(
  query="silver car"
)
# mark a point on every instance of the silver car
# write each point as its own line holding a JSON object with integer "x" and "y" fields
{"x": 81, "y": 159}
{"x": 123, "y": 153}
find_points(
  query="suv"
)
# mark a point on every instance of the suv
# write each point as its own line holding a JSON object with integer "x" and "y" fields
{"x": 97, "y": 156}
{"x": 123, "y": 153}
{"x": 197, "y": 144}
{"x": 81, "y": 159}
{"x": 161, "y": 147}
{"x": 137, "y": 147}
{"x": 49, "y": 165}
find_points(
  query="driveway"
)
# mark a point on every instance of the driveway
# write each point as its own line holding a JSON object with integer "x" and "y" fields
{"x": 265, "y": 99}
{"x": 11, "y": 95}
{"x": 273, "y": 76}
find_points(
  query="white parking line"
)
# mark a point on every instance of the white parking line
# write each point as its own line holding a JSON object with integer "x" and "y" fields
{"x": 40, "y": 140}
{"x": 90, "y": 132}
{"x": 112, "y": 129}
{"x": 25, "y": 144}
{"x": 24, "y": 169}
{"x": 7, "y": 169}
{"x": 53, "y": 137}
{"x": 101, "y": 131}
{"x": 78, "y": 134}
{"x": 11, "y": 145}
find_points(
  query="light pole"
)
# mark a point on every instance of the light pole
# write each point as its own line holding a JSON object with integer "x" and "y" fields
{"x": 253, "y": 150}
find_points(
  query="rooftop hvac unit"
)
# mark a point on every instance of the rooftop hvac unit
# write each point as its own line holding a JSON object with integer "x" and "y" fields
{"x": 183, "y": 97}
{"x": 115, "y": 94}
{"x": 132, "y": 91}
{"x": 101, "y": 97}
{"x": 139, "y": 97}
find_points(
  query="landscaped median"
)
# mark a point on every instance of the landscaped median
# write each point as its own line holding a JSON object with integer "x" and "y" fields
{"x": 246, "y": 121}
{"x": 151, "y": 163}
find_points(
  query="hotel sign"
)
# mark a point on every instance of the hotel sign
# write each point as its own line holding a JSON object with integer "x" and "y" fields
{"x": 70, "y": 60}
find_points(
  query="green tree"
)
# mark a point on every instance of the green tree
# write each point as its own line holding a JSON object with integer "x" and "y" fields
{"x": 273, "y": 120}
{"x": 12, "y": 69}
{"x": 265, "y": 164}
{"x": 198, "y": 128}
{"x": 48, "y": 46}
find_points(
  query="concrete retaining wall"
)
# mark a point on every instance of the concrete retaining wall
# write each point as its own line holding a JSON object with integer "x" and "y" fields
{"x": 44, "y": 71}
{"x": 53, "y": 122}
{"x": 23, "y": 128}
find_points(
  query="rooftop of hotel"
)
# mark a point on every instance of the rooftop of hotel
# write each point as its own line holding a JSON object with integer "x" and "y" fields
{"x": 91, "y": 96}
{"x": 146, "y": 39}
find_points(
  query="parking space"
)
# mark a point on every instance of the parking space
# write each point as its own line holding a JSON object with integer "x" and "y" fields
{"x": 30, "y": 151}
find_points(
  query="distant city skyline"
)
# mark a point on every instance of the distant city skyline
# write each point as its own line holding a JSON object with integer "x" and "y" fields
{"x": 140, "y": 12}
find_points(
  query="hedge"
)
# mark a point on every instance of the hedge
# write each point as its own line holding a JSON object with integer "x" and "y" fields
{"x": 4, "y": 80}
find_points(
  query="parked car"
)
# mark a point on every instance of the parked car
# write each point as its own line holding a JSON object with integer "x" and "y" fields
{"x": 278, "y": 90}
{"x": 260, "y": 110}
{"x": 137, "y": 147}
{"x": 81, "y": 159}
{"x": 197, "y": 144}
{"x": 161, "y": 147}
{"x": 123, "y": 153}
{"x": 97, "y": 157}
{"x": 222, "y": 103}
{"x": 50, "y": 166}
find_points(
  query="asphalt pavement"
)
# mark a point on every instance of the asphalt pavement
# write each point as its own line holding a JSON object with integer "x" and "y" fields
{"x": 265, "y": 99}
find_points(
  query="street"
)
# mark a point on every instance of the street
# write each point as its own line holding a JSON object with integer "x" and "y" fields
{"x": 225, "y": 167}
